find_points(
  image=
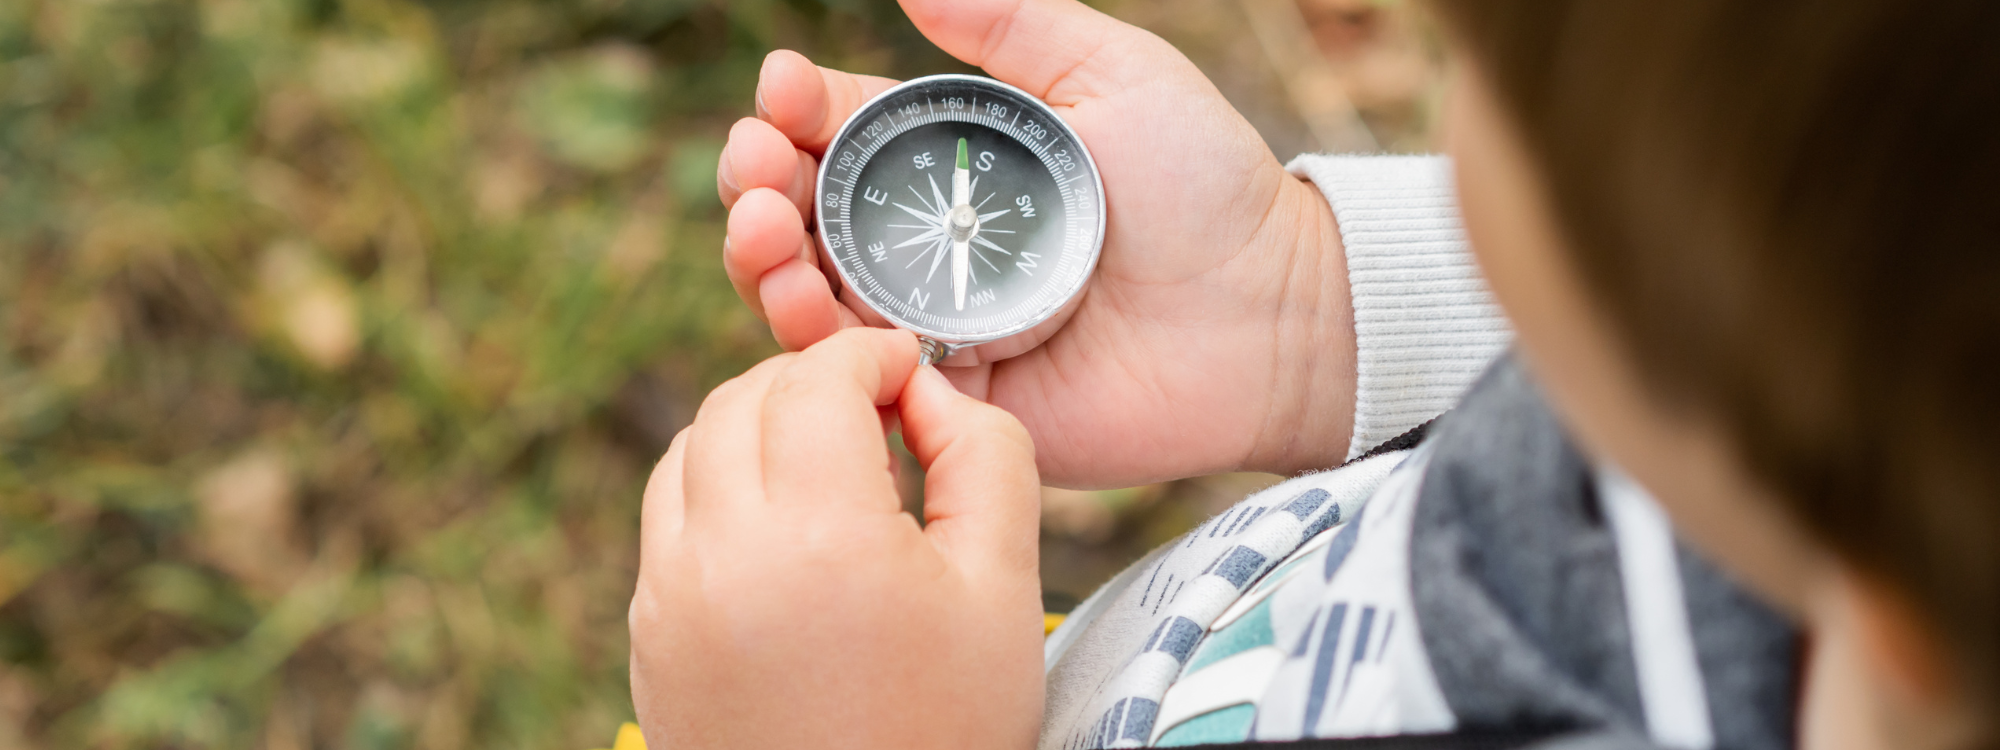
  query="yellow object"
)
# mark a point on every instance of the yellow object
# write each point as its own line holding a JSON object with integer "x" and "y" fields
{"x": 1049, "y": 622}
{"x": 629, "y": 738}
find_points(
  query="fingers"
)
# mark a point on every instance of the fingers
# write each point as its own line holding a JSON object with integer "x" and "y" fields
{"x": 775, "y": 269}
{"x": 661, "y": 515}
{"x": 1047, "y": 47}
{"x": 808, "y": 103}
{"x": 723, "y": 464}
{"x": 801, "y": 306}
{"x": 758, "y": 156}
{"x": 822, "y": 435}
{"x": 765, "y": 229}
{"x": 982, "y": 495}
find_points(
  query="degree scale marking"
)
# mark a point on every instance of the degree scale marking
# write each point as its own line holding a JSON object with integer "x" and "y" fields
{"x": 1063, "y": 269}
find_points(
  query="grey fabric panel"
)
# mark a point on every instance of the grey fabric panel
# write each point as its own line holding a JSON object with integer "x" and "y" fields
{"x": 1514, "y": 572}
{"x": 1737, "y": 639}
{"x": 1600, "y": 740}
{"x": 1520, "y": 604}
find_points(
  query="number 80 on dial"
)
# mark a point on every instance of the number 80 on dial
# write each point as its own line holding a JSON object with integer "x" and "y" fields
{"x": 964, "y": 210}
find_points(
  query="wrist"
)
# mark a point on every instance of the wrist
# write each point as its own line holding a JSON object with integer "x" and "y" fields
{"x": 1310, "y": 411}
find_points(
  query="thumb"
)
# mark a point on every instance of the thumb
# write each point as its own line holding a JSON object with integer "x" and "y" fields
{"x": 1060, "y": 51}
{"x": 982, "y": 495}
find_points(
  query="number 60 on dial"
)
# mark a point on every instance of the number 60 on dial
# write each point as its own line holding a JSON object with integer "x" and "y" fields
{"x": 964, "y": 210}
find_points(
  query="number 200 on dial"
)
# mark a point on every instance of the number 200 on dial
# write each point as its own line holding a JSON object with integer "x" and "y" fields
{"x": 964, "y": 210}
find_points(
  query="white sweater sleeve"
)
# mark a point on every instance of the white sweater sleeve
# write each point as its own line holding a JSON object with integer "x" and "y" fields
{"x": 1424, "y": 324}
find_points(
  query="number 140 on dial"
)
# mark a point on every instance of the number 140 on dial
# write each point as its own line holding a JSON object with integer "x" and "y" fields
{"x": 964, "y": 210}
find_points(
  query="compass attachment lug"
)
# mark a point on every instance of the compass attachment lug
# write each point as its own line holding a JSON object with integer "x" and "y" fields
{"x": 931, "y": 351}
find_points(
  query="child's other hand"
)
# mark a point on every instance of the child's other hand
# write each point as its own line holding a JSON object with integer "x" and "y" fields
{"x": 1217, "y": 334}
{"x": 785, "y": 601}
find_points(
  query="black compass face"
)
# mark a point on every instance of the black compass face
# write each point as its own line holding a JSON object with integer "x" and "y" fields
{"x": 960, "y": 208}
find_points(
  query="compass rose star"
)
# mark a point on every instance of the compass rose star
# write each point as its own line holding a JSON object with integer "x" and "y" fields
{"x": 934, "y": 238}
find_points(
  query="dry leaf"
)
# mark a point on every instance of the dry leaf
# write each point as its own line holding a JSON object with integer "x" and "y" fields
{"x": 249, "y": 520}
{"x": 313, "y": 308}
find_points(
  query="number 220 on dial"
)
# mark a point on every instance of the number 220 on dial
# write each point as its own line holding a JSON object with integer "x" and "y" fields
{"x": 962, "y": 209}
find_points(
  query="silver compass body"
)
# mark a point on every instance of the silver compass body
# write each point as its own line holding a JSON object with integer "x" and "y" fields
{"x": 964, "y": 210}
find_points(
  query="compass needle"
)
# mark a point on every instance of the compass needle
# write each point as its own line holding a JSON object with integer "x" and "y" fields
{"x": 987, "y": 153}
{"x": 962, "y": 231}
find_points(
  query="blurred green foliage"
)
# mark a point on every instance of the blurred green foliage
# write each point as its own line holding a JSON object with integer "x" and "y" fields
{"x": 337, "y": 338}
{"x": 340, "y": 336}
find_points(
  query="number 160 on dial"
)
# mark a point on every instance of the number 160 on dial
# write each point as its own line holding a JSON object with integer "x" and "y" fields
{"x": 964, "y": 210}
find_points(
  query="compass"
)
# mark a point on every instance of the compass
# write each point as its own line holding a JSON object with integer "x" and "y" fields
{"x": 964, "y": 210}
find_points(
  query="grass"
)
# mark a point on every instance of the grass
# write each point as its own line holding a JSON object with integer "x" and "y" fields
{"x": 340, "y": 336}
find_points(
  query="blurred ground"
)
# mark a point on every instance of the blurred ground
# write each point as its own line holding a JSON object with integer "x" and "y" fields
{"x": 339, "y": 336}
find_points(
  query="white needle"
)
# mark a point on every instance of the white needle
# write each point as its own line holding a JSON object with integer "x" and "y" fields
{"x": 963, "y": 223}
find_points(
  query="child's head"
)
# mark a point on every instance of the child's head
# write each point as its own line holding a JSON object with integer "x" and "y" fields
{"x": 1750, "y": 248}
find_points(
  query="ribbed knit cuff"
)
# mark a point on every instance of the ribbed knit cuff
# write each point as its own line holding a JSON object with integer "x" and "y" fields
{"x": 1425, "y": 325}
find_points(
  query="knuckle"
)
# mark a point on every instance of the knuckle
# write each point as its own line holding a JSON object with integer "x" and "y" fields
{"x": 676, "y": 448}
{"x": 739, "y": 387}
{"x": 721, "y": 394}
{"x": 645, "y": 610}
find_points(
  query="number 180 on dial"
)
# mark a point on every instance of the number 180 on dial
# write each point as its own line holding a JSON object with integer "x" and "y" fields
{"x": 964, "y": 210}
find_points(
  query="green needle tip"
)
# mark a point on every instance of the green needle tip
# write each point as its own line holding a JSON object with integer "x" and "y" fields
{"x": 962, "y": 162}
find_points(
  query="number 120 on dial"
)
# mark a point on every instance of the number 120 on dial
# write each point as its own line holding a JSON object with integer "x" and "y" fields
{"x": 964, "y": 210}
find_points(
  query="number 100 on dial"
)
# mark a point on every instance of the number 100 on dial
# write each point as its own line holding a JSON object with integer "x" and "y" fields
{"x": 964, "y": 210}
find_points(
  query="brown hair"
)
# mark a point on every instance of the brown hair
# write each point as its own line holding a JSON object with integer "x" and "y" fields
{"x": 1789, "y": 211}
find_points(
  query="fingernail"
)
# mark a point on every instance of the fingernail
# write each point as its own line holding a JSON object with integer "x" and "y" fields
{"x": 930, "y": 372}
{"x": 764, "y": 74}
{"x": 729, "y": 171}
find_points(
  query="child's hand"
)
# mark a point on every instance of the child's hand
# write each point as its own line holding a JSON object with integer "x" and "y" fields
{"x": 784, "y": 599}
{"x": 1217, "y": 333}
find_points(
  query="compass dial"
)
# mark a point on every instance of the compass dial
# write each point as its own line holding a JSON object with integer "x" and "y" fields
{"x": 960, "y": 208}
